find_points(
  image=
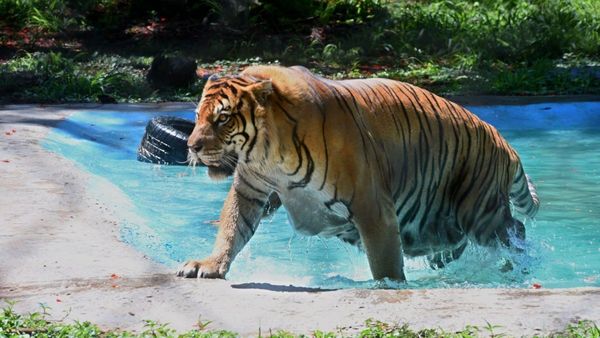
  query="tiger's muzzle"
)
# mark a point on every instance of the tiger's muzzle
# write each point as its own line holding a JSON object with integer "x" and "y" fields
{"x": 205, "y": 148}
{"x": 211, "y": 158}
{"x": 219, "y": 163}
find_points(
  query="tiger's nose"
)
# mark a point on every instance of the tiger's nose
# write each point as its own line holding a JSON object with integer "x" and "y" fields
{"x": 195, "y": 147}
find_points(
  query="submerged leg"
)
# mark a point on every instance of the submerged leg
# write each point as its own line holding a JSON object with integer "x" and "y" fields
{"x": 440, "y": 259}
{"x": 512, "y": 236}
{"x": 498, "y": 228}
{"x": 516, "y": 227}
{"x": 515, "y": 242}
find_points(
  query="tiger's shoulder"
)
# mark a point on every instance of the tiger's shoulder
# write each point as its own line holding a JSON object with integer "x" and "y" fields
{"x": 299, "y": 85}
{"x": 296, "y": 84}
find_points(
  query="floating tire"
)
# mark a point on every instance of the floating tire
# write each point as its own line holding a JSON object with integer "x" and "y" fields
{"x": 165, "y": 141}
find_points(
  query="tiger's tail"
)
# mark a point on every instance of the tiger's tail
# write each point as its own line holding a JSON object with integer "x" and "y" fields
{"x": 523, "y": 194}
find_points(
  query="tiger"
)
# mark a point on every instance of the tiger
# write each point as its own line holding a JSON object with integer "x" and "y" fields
{"x": 381, "y": 164}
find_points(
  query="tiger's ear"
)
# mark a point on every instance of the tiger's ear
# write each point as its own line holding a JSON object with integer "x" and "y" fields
{"x": 262, "y": 89}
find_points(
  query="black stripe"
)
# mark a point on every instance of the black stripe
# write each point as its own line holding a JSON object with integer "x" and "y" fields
{"x": 364, "y": 128}
{"x": 216, "y": 85}
{"x": 265, "y": 179}
{"x": 438, "y": 118}
{"x": 326, "y": 153}
{"x": 239, "y": 81}
{"x": 256, "y": 201}
{"x": 403, "y": 174}
{"x": 410, "y": 193}
{"x": 418, "y": 102}
{"x": 476, "y": 172}
{"x": 416, "y": 112}
{"x": 457, "y": 143}
{"x": 389, "y": 108}
{"x": 243, "y": 180}
{"x": 253, "y": 139}
{"x": 341, "y": 101}
{"x": 295, "y": 139}
{"x": 239, "y": 106}
{"x": 248, "y": 224}
{"x": 391, "y": 91}
{"x": 329, "y": 203}
{"x": 280, "y": 96}
{"x": 519, "y": 175}
{"x": 309, "y": 171}
{"x": 467, "y": 131}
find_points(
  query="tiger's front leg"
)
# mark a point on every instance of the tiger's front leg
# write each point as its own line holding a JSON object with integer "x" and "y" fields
{"x": 239, "y": 219}
{"x": 380, "y": 236}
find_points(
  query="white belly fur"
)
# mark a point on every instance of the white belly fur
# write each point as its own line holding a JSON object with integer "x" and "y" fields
{"x": 309, "y": 214}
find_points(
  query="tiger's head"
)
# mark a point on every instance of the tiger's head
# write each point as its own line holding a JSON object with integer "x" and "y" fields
{"x": 229, "y": 117}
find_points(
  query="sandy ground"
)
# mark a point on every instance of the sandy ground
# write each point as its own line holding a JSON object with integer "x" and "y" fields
{"x": 59, "y": 246}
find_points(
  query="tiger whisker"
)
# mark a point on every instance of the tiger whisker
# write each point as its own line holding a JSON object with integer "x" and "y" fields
{"x": 229, "y": 161}
{"x": 192, "y": 159}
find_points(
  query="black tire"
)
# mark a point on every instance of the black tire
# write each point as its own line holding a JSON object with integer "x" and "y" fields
{"x": 165, "y": 141}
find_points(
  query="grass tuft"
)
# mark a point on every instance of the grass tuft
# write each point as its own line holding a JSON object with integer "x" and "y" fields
{"x": 36, "y": 324}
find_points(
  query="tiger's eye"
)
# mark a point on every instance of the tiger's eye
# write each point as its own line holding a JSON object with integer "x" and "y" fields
{"x": 223, "y": 118}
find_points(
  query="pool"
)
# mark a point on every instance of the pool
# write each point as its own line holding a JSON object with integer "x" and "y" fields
{"x": 559, "y": 145}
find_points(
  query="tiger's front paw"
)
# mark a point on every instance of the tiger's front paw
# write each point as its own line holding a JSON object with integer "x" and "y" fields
{"x": 201, "y": 269}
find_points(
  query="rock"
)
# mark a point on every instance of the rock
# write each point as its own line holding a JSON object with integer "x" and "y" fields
{"x": 103, "y": 98}
{"x": 172, "y": 71}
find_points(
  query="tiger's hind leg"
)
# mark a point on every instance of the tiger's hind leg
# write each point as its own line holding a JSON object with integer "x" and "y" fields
{"x": 440, "y": 259}
{"x": 501, "y": 229}
{"x": 513, "y": 236}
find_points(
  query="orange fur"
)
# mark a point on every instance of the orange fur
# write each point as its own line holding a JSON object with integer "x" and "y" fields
{"x": 378, "y": 163}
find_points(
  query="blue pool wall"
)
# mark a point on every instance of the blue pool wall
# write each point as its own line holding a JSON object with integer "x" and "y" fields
{"x": 554, "y": 116}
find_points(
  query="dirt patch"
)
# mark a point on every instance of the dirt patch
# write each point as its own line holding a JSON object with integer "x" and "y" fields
{"x": 384, "y": 296}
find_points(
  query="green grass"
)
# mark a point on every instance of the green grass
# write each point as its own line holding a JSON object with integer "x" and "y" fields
{"x": 500, "y": 30}
{"x": 490, "y": 47}
{"x": 13, "y": 324}
{"x": 54, "y": 77}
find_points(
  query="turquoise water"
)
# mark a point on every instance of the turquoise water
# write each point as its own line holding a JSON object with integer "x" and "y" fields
{"x": 559, "y": 145}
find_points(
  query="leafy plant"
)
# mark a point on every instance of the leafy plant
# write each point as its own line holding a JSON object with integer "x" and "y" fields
{"x": 349, "y": 11}
{"x": 583, "y": 328}
{"x": 36, "y": 324}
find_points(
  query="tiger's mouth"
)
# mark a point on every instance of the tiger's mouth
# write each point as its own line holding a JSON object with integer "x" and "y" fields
{"x": 211, "y": 158}
{"x": 220, "y": 164}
